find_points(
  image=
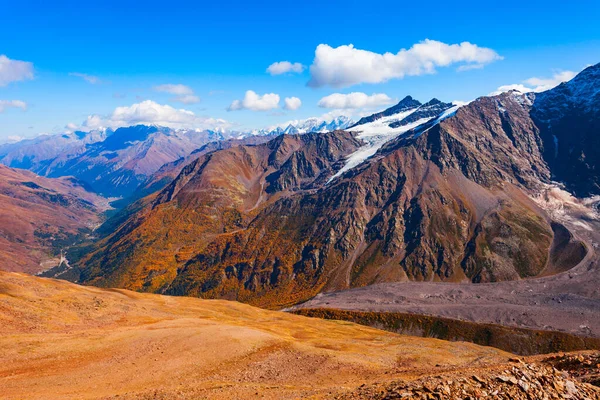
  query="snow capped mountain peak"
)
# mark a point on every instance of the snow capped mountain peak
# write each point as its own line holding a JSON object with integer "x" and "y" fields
{"x": 377, "y": 129}
{"x": 407, "y": 103}
{"x": 581, "y": 92}
{"x": 313, "y": 124}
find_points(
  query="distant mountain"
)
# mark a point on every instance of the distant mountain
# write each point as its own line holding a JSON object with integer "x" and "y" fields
{"x": 35, "y": 154}
{"x": 117, "y": 163}
{"x": 112, "y": 163}
{"x": 305, "y": 126}
{"x": 41, "y": 216}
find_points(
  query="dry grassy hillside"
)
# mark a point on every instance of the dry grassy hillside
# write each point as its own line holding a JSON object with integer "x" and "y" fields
{"x": 60, "y": 340}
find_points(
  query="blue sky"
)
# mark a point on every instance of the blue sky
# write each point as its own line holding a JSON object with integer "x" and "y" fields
{"x": 220, "y": 50}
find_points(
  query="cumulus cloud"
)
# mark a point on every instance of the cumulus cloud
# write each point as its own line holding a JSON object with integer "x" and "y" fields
{"x": 88, "y": 78}
{"x": 14, "y": 70}
{"x": 253, "y": 101}
{"x": 282, "y": 67}
{"x": 150, "y": 113}
{"x": 354, "y": 100}
{"x": 292, "y": 103}
{"x": 346, "y": 65}
{"x": 537, "y": 84}
{"x": 183, "y": 94}
{"x": 4, "y": 104}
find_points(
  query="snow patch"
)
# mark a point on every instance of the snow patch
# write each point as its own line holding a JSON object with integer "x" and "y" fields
{"x": 521, "y": 98}
{"x": 376, "y": 134}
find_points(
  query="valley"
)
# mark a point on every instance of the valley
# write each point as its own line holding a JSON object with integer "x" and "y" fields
{"x": 41, "y": 217}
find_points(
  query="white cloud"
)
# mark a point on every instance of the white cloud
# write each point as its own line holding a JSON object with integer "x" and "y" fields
{"x": 507, "y": 88}
{"x": 14, "y": 70}
{"x": 184, "y": 94}
{"x": 282, "y": 67}
{"x": 537, "y": 84}
{"x": 542, "y": 84}
{"x": 15, "y": 138}
{"x": 71, "y": 127}
{"x": 336, "y": 113}
{"x": 88, "y": 78}
{"x": 253, "y": 101}
{"x": 292, "y": 103}
{"x": 469, "y": 67}
{"x": 188, "y": 99}
{"x": 150, "y": 113}
{"x": 345, "y": 66}
{"x": 178, "y": 90}
{"x": 354, "y": 100}
{"x": 4, "y": 104}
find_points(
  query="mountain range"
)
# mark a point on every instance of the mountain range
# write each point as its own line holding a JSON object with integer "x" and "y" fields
{"x": 112, "y": 163}
{"x": 115, "y": 163}
{"x": 419, "y": 192}
{"x": 313, "y": 124}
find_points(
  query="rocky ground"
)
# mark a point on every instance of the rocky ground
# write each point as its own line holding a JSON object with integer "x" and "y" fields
{"x": 521, "y": 380}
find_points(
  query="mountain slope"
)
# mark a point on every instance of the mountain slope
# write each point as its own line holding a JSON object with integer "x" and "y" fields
{"x": 60, "y": 340}
{"x": 219, "y": 193}
{"x": 569, "y": 121}
{"x": 169, "y": 171}
{"x": 39, "y": 216}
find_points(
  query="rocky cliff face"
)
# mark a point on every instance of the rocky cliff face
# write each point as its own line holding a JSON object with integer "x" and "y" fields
{"x": 274, "y": 224}
{"x": 568, "y": 117}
